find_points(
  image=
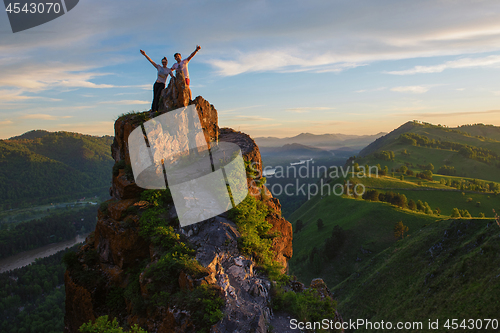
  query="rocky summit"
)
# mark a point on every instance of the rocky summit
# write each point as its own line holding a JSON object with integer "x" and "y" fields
{"x": 110, "y": 274}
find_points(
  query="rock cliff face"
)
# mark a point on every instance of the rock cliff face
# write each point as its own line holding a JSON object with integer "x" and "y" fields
{"x": 113, "y": 253}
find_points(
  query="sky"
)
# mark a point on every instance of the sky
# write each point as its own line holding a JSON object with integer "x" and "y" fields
{"x": 270, "y": 68}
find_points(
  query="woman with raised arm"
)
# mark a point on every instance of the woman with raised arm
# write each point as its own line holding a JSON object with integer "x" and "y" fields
{"x": 163, "y": 73}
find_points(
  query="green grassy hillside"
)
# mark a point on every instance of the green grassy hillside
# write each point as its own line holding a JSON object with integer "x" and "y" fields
{"x": 443, "y": 147}
{"x": 443, "y": 268}
{"x": 368, "y": 225}
{"x": 48, "y": 166}
{"x": 448, "y": 269}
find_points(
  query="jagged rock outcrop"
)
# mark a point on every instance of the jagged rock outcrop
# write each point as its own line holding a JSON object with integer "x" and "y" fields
{"x": 175, "y": 95}
{"x": 116, "y": 248}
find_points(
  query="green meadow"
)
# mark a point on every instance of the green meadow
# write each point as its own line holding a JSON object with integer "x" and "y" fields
{"x": 369, "y": 225}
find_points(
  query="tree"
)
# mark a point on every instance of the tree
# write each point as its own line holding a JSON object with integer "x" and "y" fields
{"x": 316, "y": 260}
{"x": 298, "y": 226}
{"x": 371, "y": 195}
{"x": 412, "y": 205}
{"x": 400, "y": 229}
{"x": 400, "y": 200}
{"x": 465, "y": 213}
{"x": 320, "y": 224}
{"x": 455, "y": 212}
{"x": 403, "y": 169}
{"x": 335, "y": 242}
{"x": 427, "y": 209}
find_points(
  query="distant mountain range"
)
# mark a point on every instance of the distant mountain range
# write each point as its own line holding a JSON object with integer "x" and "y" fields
{"x": 39, "y": 166}
{"x": 324, "y": 141}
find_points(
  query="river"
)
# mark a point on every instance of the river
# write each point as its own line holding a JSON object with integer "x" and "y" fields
{"x": 25, "y": 258}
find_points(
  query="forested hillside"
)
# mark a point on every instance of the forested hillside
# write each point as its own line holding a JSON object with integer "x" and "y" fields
{"x": 40, "y": 167}
{"x": 49, "y": 229}
{"x": 32, "y": 297}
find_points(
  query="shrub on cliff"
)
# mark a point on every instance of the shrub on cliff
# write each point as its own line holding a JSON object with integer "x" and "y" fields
{"x": 305, "y": 306}
{"x": 256, "y": 239}
{"x": 103, "y": 325}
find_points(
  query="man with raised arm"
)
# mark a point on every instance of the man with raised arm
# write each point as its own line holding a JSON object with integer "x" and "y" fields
{"x": 183, "y": 66}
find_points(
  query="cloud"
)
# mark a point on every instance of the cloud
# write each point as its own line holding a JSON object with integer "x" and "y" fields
{"x": 12, "y": 95}
{"x": 238, "y": 109}
{"x": 126, "y": 102}
{"x": 49, "y": 76}
{"x": 411, "y": 89}
{"x": 92, "y": 128}
{"x": 283, "y": 61}
{"x": 42, "y": 116}
{"x": 490, "y": 61}
{"x": 308, "y": 109}
{"x": 5, "y": 122}
{"x": 259, "y": 36}
{"x": 332, "y": 37}
{"x": 369, "y": 90}
{"x": 453, "y": 114}
{"x": 409, "y": 108}
{"x": 252, "y": 118}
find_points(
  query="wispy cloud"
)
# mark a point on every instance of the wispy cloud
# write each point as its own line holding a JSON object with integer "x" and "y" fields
{"x": 308, "y": 109}
{"x": 283, "y": 61}
{"x": 453, "y": 114}
{"x": 409, "y": 108}
{"x": 5, "y": 122}
{"x": 42, "y": 116}
{"x": 126, "y": 102}
{"x": 15, "y": 95}
{"x": 40, "y": 80}
{"x": 253, "y": 118}
{"x": 93, "y": 128}
{"x": 238, "y": 109}
{"x": 411, "y": 89}
{"x": 369, "y": 90}
{"x": 490, "y": 61}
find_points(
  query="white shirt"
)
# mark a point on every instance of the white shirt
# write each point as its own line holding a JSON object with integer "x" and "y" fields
{"x": 183, "y": 65}
{"x": 163, "y": 73}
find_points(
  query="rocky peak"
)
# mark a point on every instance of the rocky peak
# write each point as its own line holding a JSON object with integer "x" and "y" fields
{"x": 113, "y": 258}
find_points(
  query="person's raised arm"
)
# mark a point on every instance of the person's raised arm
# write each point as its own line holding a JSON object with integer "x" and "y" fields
{"x": 151, "y": 61}
{"x": 198, "y": 47}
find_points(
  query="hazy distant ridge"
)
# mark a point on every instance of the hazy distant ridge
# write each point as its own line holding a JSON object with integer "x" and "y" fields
{"x": 322, "y": 140}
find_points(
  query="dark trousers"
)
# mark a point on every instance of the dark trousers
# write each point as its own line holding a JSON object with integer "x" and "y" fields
{"x": 157, "y": 88}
